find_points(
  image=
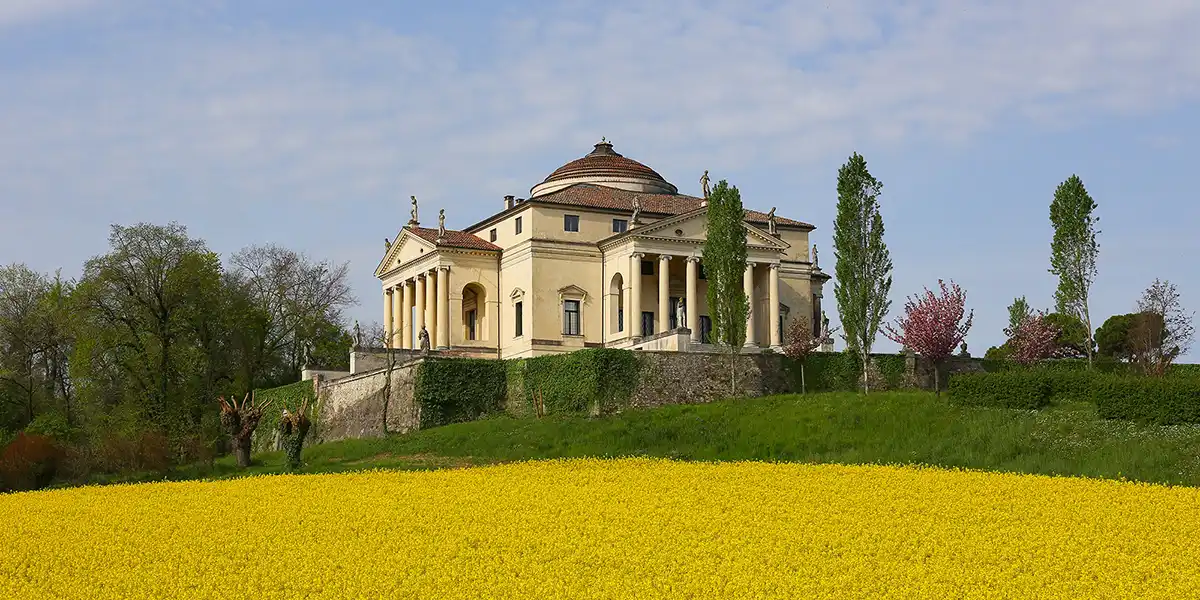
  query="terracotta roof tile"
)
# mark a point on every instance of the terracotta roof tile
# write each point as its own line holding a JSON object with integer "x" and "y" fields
{"x": 604, "y": 161}
{"x": 595, "y": 196}
{"x": 454, "y": 239}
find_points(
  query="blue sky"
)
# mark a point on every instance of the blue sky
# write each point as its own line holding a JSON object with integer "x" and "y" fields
{"x": 309, "y": 124}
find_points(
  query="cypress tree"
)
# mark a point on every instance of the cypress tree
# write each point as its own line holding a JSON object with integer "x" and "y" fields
{"x": 1073, "y": 252}
{"x": 724, "y": 257}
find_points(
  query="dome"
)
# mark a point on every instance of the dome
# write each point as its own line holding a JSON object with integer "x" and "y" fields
{"x": 604, "y": 166}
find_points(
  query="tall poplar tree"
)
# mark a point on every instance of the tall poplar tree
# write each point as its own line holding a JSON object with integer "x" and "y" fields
{"x": 862, "y": 274}
{"x": 725, "y": 265}
{"x": 1073, "y": 252}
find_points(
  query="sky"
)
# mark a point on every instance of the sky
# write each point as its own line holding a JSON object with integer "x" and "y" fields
{"x": 309, "y": 124}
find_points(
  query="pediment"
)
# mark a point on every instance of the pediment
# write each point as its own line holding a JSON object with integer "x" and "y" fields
{"x": 572, "y": 291}
{"x": 408, "y": 246}
{"x": 692, "y": 227}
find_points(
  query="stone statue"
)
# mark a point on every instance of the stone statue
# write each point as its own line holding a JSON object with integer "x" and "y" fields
{"x": 357, "y": 334}
{"x": 816, "y": 265}
{"x": 824, "y": 325}
{"x": 413, "y": 220}
{"x": 772, "y": 225}
{"x": 680, "y": 313}
{"x": 636, "y": 219}
{"x": 307, "y": 357}
{"x": 423, "y": 338}
{"x": 441, "y": 223}
{"x": 704, "y": 184}
{"x": 387, "y": 244}
{"x": 962, "y": 350}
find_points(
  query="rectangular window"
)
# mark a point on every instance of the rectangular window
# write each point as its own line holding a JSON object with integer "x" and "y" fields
{"x": 702, "y": 274}
{"x": 620, "y": 319}
{"x": 647, "y": 323}
{"x": 519, "y": 319}
{"x": 705, "y": 329}
{"x": 492, "y": 235}
{"x": 518, "y": 225}
{"x": 620, "y": 225}
{"x": 647, "y": 267}
{"x": 570, "y": 222}
{"x": 471, "y": 324}
{"x": 570, "y": 317}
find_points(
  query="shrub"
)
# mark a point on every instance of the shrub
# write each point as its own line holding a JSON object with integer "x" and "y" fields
{"x": 144, "y": 451}
{"x": 29, "y": 462}
{"x": 54, "y": 426}
{"x": 1159, "y": 401}
{"x": 842, "y": 371}
{"x": 1026, "y": 390}
{"x": 455, "y": 390}
{"x": 595, "y": 379}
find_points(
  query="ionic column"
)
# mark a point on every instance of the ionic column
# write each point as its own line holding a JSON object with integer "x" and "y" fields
{"x": 397, "y": 316}
{"x": 443, "y": 307}
{"x": 406, "y": 301}
{"x": 420, "y": 321}
{"x": 664, "y": 297}
{"x": 748, "y": 287}
{"x": 431, "y": 307}
{"x": 693, "y": 297}
{"x": 634, "y": 318}
{"x": 387, "y": 317}
{"x": 773, "y": 309}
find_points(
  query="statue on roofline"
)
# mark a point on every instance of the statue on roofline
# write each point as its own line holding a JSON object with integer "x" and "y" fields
{"x": 704, "y": 184}
{"x": 387, "y": 244}
{"x": 772, "y": 226}
{"x": 636, "y": 219}
{"x": 441, "y": 223}
{"x": 423, "y": 339}
{"x": 413, "y": 219}
{"x": 814, "y": 257}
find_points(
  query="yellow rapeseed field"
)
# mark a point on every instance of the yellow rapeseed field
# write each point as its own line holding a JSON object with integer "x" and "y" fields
{"x": 633, "y": 528}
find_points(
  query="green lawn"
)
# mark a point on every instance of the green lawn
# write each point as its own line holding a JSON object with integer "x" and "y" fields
{"x": 838, "y": 427}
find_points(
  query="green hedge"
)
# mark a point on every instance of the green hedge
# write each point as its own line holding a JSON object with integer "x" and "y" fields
{"x": 288, "y": 396}
{"x": 455, "y": 390}
{"x": 576, "y": 382}
{"x": 1001, "y": 390}
{"x": 841, "y": 371}
{"x": 1165, "y": 401}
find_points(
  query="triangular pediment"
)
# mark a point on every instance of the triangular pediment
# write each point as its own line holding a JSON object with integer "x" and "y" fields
{"x": 692, "y": 226}
{"x": 408, "y": 246}
{"x": 572, "y": 291}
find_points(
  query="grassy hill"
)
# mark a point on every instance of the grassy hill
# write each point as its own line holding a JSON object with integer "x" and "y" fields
{"x": 914, "y": 427}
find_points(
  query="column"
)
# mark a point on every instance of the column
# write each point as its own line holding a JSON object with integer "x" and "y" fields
{"x": 634, "y": 318}
{"x": 406, "y": 305}
{"x": 664, "y": 296}
{"x": 419, "y": 321}
{"x": 431, "y": 307}
{"x": 443, "y": 308}
{"x": 776, "y": 336}
{"x": 387, "y": 318}
{"x": 693, "y": 297}
{"x": 397, "y": 315}
{"x": 748, "y": 287}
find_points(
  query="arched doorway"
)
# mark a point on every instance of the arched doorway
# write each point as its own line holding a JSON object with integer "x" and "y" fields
{"x": 474, "y": 313}
{"x": 616, "y": 304}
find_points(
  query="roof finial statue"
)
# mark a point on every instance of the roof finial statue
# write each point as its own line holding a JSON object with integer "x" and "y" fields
{"x": 636, "y": 219}
{"x": 772, "y": 225}
{"x": 357, "y": 334}
{"x": 603, "y": 140}
{"x": 387, "y": 244}
{"x": 413, "y": 222}
{"x": 704, "y": 184}
{"x": 441, "y": 223}
{"x": 815, "y": 264}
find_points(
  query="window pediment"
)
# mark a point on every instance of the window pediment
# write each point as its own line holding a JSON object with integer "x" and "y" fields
{"x": 572, "y": 292}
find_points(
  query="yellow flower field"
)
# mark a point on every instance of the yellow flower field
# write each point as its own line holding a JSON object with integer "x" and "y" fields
{"x": 634, "y": 528}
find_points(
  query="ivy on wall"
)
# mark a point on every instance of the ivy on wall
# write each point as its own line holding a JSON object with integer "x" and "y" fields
{"x": 842, "y": 371}
{"x": 590, "y": 380}
{"x": 288, "y": 396}
{"x": 450, "y": 390}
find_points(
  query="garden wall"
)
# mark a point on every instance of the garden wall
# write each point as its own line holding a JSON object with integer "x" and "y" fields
{"x": 353, "y": 407}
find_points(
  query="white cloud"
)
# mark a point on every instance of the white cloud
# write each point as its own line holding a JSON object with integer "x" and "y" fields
{"x": 21, "y": 12}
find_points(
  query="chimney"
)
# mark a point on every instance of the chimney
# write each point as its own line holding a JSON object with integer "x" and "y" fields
{"x": 508, "y": 202}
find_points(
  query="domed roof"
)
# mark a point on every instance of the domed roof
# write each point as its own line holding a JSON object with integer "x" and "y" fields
{"x": 604, "y": 166}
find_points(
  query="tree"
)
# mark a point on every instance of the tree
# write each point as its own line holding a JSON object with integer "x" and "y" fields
{"x": 1073, "y": 252}
{"x": 800, "y": 343}
{"x": 22, "y": 339}
{"x": 240, "y": 419}
{"x": 864, "y": 266}
{"x": 1163, "y": 332}
{"x": 293, "y": 429}
{"x": 1033, "y": 339}
{"x": 1112, "y": 338}
{"x": 1073, "y": 339}
{"x": 1018, "y": 311}
{"x": 724, "y": 257}
{"x": 933, "y": 326}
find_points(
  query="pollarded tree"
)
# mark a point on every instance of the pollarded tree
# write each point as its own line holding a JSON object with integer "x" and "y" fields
{"x": 800, "y": 343}
{"x": 1073, "y": 252}
{"x": 240, "y": 419}
{"x": 933, "y": 326}
{"x": 1034, "y": 339}
{"x": 863, "y": 272}
{"x": 725, "y": 265}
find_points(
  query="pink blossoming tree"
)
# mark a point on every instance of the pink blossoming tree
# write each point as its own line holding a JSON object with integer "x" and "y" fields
{"x": 933, "y": 325}
{"x": 1033, "y": 339}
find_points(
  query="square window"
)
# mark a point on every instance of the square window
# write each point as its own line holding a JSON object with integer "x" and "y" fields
{"x": 570, "y": 317}
{"x": 518, "y": 225}
{"x": 620, "y": 225}
{"x": 647, "y": 267}
{"x": 492, "y": 235}
{"x": 570, "y": 222}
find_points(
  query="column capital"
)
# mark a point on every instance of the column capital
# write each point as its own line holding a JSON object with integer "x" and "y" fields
{"x": 638, "y": 255}
{"x": 773, "y": 266}
{"x": 389, "y": 290}
{"x": 664, "y": 257}
{"x": 443, "y": 268}
{"x": 693, "y": 259}
{"x": 751, "y": 264}
{"x": 419, "y": 276}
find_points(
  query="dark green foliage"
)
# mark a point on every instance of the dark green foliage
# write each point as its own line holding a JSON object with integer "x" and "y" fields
{"x": 1073, "y": 252}
{"x": 1152, "y": 400}
{"x": 289, "y": 396}
{"x": 293, "y": 430}
{"x": 594, "y": 379}
{"x": 456, "y": 390}
{"x": 1072, "y": 340}
{"x": 54, "y": 426}
{"x": 998, "y": 353}
{"x": 724, "y": 255}
{"x": 1112, "y": 338}
{"x": 1023, "y": 390}
{"x": 841, "y": 371}
{"x": 1018, "y": 311}
{"x": 863, "y": 269}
